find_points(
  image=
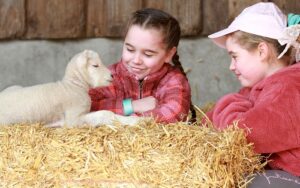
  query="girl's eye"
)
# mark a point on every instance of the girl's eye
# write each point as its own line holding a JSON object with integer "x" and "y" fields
{"x": 148, "y": 55}
{"x": 130, "y": 50}
{"x": 96, "y": 66}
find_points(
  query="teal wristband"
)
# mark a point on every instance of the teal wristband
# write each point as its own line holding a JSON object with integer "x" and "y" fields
{"x": 127, "y": 107}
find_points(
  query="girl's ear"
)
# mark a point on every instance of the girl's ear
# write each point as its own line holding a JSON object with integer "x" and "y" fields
{"x": 170, "y": 54}
{"x": 263, "y": 50}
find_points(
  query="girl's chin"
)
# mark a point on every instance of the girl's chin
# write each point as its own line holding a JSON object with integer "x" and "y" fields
{"x": 138, "y": 74}
{"x": 246, "y": 84}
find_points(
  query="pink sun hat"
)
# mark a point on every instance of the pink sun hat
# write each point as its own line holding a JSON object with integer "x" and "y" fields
{"x": 263, "y": 19}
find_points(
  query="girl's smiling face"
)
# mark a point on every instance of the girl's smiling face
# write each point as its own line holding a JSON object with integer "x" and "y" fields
{"x": 246, "y": 65}
{"x": 144, "y": 51}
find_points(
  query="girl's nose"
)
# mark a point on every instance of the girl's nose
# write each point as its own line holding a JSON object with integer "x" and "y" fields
{"x": 137, "y": 59}
{"x": 232, "y": 66}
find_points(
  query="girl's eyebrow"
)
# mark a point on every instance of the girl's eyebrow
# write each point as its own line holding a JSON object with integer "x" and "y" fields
{"x": 127, "y": 44}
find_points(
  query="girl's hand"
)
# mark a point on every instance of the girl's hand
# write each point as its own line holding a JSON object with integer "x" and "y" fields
{"x": 144, "y": 104}
{"x": 230, "y": 108}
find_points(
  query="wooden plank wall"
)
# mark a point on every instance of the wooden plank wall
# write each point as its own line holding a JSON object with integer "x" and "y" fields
{"x": 71, "y": 19}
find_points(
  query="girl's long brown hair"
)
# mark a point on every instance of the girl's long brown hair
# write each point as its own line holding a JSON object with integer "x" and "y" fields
{"x": 169, "y": 26}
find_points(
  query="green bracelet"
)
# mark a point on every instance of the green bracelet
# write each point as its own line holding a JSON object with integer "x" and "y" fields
{"x": 127, "y": 107}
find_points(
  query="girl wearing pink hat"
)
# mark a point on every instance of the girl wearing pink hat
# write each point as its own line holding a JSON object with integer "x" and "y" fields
{"x": 264, "y": 52}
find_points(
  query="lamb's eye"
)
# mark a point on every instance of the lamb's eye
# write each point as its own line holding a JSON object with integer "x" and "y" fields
{"x": 95, "y": 66}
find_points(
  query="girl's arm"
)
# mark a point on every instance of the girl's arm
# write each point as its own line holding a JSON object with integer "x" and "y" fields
{"x": 173, "y": 98}
{"x": 272, "y": 117}
{"x": 106, "y": 98}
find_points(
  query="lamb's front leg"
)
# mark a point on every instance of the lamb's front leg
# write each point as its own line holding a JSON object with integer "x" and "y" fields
{"x": 105, "y": 117}
{"x": 72, "y": 117}
{"x": 56, "y": 124}
{"x": 128, "y": 120}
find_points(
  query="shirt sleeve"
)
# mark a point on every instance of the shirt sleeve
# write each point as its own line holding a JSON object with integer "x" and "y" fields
{"x": 106, "y": 98}
{"x": 174, "y": 97}
{"x": 268, "y": 119}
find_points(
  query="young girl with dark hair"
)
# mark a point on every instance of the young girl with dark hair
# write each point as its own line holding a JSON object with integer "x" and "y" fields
{"x": 145, "y": 83}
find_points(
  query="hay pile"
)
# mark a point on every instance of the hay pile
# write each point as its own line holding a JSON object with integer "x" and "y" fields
{"x": 148, "y": 155}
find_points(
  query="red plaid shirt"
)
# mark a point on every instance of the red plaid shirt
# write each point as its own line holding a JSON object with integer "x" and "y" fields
{"x": 169, "y": 86}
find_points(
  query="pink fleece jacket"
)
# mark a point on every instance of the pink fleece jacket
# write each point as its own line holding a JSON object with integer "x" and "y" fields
{"x": 270, "y": 110}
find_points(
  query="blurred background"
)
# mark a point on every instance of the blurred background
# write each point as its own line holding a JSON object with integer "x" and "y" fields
{"x": 38, "y": 38}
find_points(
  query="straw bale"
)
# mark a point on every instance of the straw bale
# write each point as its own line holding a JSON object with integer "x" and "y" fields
{"x": 146, "y": 155}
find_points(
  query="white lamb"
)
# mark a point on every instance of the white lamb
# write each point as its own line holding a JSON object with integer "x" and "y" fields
{"x": 65, "y": 102}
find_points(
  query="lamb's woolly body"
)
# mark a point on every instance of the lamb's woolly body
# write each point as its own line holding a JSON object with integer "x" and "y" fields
{"x": 36, "y": 103}
{"x": 65, "y": 100}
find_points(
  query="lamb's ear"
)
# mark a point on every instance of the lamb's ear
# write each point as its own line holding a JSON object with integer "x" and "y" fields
{"x": 83, "y": 58}
{"x": 81, "y": 65}
{"x": 93, "y": 58}
{"x": 85, "y": 52}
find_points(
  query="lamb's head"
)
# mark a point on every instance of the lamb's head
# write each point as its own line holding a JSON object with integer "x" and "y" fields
{"x": 87, "y": 69}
